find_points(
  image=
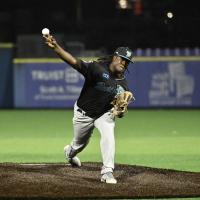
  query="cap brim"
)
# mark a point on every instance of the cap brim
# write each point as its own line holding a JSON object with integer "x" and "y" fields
{"x": 124, "y": 57}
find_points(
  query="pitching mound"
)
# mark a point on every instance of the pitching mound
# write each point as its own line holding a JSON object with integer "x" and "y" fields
{"x": 59, "y": 181}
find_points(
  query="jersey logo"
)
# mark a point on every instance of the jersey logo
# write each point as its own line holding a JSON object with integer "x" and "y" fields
{"x": 106, "y": 75}
{"x": 120, "y": 89}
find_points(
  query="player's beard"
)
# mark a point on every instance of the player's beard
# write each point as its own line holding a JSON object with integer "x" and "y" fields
{"x": 119, "y": 72}
{"x": 120, "y": 68}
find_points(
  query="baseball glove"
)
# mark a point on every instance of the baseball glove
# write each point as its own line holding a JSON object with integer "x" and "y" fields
{"x": 120, "y": 104}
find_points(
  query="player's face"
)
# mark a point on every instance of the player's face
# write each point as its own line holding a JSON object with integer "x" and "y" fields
{"x": 119, "y": 65}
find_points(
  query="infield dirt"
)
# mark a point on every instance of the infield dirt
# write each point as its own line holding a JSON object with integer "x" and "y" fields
{"x": 61, "y": 181}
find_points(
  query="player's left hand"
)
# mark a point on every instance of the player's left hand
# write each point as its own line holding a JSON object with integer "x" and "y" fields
{"x": 120, "y": 104}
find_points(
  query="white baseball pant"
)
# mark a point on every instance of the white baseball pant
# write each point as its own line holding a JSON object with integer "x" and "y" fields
{"x": 83, "y": 128}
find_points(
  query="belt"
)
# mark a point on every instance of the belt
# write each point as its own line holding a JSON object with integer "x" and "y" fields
{"x": 81, "y": 111}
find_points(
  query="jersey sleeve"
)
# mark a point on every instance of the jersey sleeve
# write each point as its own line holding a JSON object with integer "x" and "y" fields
{"x": 84, "y": 67}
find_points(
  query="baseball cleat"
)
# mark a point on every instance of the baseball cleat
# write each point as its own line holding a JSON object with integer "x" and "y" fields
{"x": 75, "y": 161}
{"x": 108, "y": 178}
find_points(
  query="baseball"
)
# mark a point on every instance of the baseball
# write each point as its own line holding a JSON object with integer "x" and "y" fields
{"x": 45, "y": 31}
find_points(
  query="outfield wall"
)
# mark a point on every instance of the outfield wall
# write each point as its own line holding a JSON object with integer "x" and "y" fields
{"x": 6, "y": 75}
{"x": 155, "y": 81}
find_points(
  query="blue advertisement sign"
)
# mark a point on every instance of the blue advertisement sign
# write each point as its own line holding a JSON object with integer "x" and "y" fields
{"x": 165, "y": 84}
{"x": 46, "y": 85}
{"x": 153, "y": 83}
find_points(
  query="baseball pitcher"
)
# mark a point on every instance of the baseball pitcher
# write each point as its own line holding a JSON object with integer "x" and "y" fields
{"x": 104, "y": 96}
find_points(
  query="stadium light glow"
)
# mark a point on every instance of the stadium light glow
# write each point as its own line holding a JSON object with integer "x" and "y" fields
{"x": 123, "y": 4}
{"x": 170, "y": 15}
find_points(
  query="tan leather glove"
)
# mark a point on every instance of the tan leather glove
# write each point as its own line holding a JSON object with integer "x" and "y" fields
{"x": 120, "y": 104}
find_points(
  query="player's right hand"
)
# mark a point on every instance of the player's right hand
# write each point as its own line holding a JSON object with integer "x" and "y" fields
{"x": 50, "y": 41}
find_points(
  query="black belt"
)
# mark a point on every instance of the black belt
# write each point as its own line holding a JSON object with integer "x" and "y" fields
{"x": 85, "y": 113}
{"x": 81, "y": 111}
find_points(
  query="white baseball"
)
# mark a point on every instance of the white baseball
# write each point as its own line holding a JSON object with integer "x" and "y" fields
{"x": 45, "y": 31}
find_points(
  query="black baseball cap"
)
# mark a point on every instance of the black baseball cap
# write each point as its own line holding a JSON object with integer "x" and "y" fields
{"x": 124, "y": 52}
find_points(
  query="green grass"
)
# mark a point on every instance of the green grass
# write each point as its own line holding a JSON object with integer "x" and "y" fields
{"x": 155, "y": 138}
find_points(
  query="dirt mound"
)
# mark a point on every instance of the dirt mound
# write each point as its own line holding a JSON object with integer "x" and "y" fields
{"x": 59, "y": 181}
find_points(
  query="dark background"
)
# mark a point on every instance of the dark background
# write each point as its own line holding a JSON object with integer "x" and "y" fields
{"x": 101, "y": 24}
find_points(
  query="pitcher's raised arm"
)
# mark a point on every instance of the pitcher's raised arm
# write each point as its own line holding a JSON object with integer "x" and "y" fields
{"x": 64, "y": 55}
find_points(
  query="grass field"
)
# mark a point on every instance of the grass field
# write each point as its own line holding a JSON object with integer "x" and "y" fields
{"x": 155, "y": 138}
